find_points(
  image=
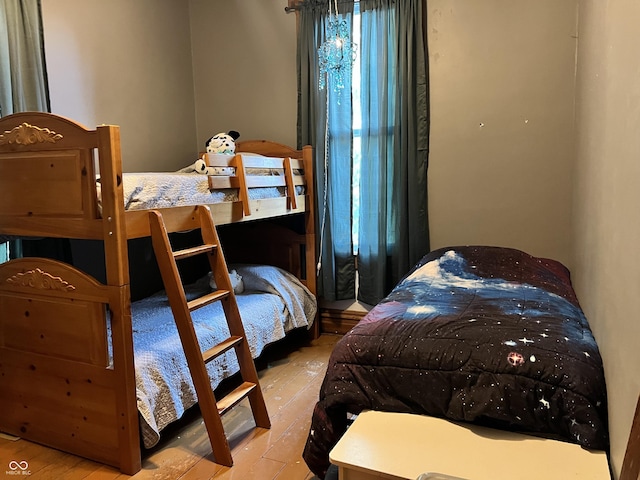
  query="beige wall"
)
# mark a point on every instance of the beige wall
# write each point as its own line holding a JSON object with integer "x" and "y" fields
{"x": 607, "y": 198}
{"x": 244, "y": 63}
{"x": 172, "y": 73}
{"x": 125, "y": 63}
{"x": 501, "y": 149}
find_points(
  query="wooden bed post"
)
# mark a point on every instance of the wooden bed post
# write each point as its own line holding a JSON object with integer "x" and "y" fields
{"x": 310, "y": 229}
{"x": 631, "y": 464}
{"x": 115, "y": 245}
{"x": 117, "y": 269}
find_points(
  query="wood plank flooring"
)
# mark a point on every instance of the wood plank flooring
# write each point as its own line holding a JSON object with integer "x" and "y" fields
{"x": 290, "y": 376}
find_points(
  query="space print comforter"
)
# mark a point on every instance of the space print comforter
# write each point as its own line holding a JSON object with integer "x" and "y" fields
{"x": 475, "y": 334}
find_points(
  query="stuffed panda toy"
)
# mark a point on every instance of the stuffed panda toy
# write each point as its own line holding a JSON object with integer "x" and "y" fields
{"x": 224, "y": 143}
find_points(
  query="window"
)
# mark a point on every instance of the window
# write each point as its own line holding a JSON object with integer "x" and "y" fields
{"x": 356, "y": 132}
{"x": 371, "y": 140}
{"x": 4, "y": 252}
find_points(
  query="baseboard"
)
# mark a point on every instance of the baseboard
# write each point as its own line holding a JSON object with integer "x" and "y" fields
{"x": 339, "y": 321}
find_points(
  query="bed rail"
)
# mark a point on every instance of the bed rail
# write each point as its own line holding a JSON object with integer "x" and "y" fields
{"x": 243, "y": 163}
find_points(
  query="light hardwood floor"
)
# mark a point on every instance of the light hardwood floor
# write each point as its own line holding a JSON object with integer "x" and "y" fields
{"x": 290, "y": 376}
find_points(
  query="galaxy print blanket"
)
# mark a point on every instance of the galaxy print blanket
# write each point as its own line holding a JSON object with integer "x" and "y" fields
{"x": 486, "y": 335}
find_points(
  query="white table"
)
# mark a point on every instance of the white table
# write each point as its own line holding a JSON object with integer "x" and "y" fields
{"x": 404, "y": 446}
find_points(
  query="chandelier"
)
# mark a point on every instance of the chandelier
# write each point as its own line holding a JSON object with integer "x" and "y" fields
{"x": 337, "y": 53}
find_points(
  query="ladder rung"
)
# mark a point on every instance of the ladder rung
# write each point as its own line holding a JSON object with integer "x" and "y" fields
{"x": 192, "y": 251}
{"x": 234, "y": 397}
{"x": 207, "y": 299}
{"x": 219, "y": 349}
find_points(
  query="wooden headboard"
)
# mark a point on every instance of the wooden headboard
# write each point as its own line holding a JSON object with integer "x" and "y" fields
{"x": 61, "y": 152}
{"x": 268, "y": 148}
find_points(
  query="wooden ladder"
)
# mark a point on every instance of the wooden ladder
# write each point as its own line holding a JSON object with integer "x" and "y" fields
{"x": 211, "y": 409}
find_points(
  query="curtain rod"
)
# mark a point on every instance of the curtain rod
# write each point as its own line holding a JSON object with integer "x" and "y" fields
{"x": 301, "y": 4}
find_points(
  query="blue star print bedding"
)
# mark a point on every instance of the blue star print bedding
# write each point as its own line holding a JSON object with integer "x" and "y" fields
{"x": 486, "y": 335}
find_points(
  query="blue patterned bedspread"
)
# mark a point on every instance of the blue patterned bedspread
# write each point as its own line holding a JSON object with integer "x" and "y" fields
{"x": 274, "y": 302}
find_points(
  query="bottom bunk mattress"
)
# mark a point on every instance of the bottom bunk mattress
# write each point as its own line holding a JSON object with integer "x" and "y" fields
{"x": 273, "y": 303}
{"x": 476, "y": 334}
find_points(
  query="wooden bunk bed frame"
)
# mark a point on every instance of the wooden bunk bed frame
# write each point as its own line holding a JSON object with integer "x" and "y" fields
{"x": 62, "y": 384}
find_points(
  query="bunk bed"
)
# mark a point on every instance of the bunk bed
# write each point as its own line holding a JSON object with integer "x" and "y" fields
{"x": 71, "y": 342}
{"x": 477, "y": 334}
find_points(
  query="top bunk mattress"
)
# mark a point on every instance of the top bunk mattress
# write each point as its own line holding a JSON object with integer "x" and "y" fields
{"x": 144, "y": 191}
{"x": 187, "y": 187}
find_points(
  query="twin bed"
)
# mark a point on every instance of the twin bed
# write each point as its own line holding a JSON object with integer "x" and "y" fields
{"x": 486, "y": 335}
{"x": 85, "y": 368}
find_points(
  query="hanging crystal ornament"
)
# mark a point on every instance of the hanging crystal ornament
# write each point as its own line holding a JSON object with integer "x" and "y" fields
{"x": 337, "y": 54}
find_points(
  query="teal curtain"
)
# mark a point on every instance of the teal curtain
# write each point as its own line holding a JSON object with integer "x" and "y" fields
{"x": 394, "y": 232}
{"x": 337, "y": 275}
{"x": 23, "y": 83}
{"x": 393, "y": 220}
